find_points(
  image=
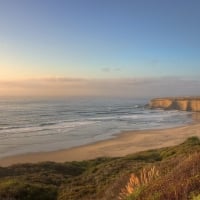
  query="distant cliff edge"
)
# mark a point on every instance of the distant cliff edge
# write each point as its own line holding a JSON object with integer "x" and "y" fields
{"x": 179, "y": 103}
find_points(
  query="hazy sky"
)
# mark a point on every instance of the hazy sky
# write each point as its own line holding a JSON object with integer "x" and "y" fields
{"x": 78, "y": 47}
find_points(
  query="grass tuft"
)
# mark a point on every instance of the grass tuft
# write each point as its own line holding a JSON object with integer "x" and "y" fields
{"x": 136, "y": 182}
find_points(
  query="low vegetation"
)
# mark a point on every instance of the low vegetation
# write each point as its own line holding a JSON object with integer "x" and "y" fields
{"x": 136, "y": 183}
{"x": 169, "y": 173}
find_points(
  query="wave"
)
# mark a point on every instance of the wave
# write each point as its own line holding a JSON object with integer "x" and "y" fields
{"x": 42, "y": 128}
{"x": 48, "y": 124}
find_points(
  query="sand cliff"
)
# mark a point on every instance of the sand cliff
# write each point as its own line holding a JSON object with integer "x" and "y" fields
{"x": 180, "y": 103}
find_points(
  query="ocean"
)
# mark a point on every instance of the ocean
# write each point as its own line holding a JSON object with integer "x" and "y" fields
{"x": 34, "y": 125}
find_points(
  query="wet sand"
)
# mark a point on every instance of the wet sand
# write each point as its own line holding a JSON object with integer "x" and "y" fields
{"x": 125, "y": 143}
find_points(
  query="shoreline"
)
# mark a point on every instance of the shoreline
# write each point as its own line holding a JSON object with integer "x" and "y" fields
{"x": 123, "y": 144}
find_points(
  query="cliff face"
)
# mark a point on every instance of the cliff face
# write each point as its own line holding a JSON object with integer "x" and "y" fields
{"x": 184, "y": 104}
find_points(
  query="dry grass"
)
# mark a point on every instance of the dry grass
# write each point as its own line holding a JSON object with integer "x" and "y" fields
{"x": 134, "y": 182}
{"x": 180, "y": 182}
{"x": 196, "y": 197}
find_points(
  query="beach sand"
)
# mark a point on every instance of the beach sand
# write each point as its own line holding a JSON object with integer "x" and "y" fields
{"x": 123, "y": 144}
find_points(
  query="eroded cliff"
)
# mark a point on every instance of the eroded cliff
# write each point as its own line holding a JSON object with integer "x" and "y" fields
{"x": 180, "y": 103}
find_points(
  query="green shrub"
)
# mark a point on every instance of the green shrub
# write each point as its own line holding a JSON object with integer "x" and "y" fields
{"x": 17, "y": 190}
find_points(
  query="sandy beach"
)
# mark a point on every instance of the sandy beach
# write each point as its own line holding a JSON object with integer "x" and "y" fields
{"x": 123, "y": 144}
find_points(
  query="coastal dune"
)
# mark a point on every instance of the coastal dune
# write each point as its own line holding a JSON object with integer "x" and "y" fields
{"x": 180, "y": 103}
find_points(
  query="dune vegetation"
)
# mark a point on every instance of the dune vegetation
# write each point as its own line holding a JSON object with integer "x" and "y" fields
{"x": 171, "y": 173}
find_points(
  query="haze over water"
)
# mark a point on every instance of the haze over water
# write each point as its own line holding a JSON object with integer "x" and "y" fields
{"x": 137, "y": 48}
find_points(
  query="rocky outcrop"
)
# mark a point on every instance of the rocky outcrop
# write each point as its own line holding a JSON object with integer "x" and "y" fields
{"x": 180, "y": 103}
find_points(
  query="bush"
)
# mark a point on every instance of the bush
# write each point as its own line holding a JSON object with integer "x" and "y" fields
{"x": 17, "y": 190}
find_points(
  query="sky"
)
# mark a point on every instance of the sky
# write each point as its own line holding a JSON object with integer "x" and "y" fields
{"x": 99, "y": 47}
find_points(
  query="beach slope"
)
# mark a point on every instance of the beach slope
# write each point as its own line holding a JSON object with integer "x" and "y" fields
{"x": 123, "y": 144}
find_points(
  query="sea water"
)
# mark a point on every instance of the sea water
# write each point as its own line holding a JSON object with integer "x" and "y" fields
{"x": 33, "y": 125}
